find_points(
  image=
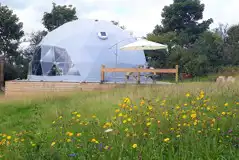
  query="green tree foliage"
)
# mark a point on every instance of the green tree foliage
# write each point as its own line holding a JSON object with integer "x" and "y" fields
{"x": 58, "y": 16}
{"x": 34, "y": 39}
{"x": 197, "y": 50}
{"x": 182, "y": 17}
{"x": 231, "y": 48}
{"x": 10, "y": 34}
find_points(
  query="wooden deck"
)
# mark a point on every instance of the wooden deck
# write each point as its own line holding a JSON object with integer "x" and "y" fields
{"x": 19, "y": 88}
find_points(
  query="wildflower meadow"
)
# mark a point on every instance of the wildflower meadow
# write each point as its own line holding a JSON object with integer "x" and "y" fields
{"x": 194, "y": 126}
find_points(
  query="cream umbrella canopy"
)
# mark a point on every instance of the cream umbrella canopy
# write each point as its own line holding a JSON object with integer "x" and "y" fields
{"x": 144, "y": 44}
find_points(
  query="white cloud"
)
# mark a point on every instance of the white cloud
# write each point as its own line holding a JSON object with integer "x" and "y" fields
{"x": 139, "y": 16}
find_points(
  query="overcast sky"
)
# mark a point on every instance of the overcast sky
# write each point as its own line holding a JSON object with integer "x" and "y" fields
{"x": 139, "y": 16}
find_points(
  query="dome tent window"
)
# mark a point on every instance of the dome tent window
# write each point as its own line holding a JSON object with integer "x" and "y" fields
{"x": 102, "y": 35}
{"x": 50, "y": 61}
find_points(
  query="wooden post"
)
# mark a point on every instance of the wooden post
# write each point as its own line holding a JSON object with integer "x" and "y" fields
{"x": 102, "y": 74}
{"x": 1, "y": 71}
{"x": 138, "y": 77}
{"x": 176, "y": 77}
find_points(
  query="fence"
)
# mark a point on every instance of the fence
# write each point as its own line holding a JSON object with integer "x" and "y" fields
{"x": 138, "y": 70}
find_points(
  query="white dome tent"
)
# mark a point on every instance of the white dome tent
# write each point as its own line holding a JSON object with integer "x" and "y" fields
{"x": 75, "y": 51}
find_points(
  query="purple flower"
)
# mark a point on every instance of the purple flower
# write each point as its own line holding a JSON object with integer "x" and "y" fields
{"x": 230, "y": 131}
{"x": 100, "y": 146}
{"x": 72, "y": 155}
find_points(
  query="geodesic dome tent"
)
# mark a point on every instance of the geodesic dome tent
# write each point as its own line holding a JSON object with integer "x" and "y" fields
{"x": 76, "y": 50}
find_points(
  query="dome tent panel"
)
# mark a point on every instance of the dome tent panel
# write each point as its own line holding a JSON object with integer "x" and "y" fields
{"x": 90, "y": 44}
{"x": 47, "y": 68}
{"x": 48, "y": 56}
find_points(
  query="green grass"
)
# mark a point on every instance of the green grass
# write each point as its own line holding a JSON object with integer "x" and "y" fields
{"x": 39, "y": 122}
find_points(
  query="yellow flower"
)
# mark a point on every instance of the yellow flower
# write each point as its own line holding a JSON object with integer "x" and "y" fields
{"x": 129, "y": 119}
{"x": 126, "y": 100}
{"x": 142, "y": 102}
{"x": 166, "y": 140}
{"x": 134, "y": 146}
{"x": 60, "y": 117}
{"x": 53, "y": 143}
{"x": 120, "y": 114}
{"x": 78, "y": 134}
{"x": 177, "y": 107}
{"x": 69, "y": 134}
{"x": 126, "y": 129}
{"x": 194, "y": 115}
{"x": 178, "y": 136}
{"x": 226, "y": 104}
{"x": 199, "y": 131}
{"x": 188, "y": 95}
{"x": 179, "y": 125}
{"x": 117, "y": 110}
{"x": 213, "y": 120}
{"x": 94, "y": 116}
{"x": 150, "y": 108}
{"x": 195, "y": 123}
{"x": 68, "y": 140}
{"x": 108, "y": 124}
{"x": 184, "y": 116}
{"x": 148, "y": 124}
{"x": 78, "y": 115}
{"x": 9, "y": 137}
{"x": 53, "y": 122}
{"x": 218, "y": 129}
{"x": 223, "y": 113}
{"x": 106, "y": 147}
{"x": 124, "y": 121}
{"x": 135, "y": 107}
{"x": 16, "y": 139}
{"x": 185, "y": 104}
{"x": 94, "y": 140}
{"x": 74, "y": 113}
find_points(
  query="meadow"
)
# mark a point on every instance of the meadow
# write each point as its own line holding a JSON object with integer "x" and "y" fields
{"x": 196, "y": 120}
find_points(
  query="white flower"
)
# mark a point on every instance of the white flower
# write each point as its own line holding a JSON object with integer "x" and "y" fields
{"x": 108, "y": 130}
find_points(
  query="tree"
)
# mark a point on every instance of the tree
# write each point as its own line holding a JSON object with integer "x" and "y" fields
{"x": 58, "y": 16}
{"x": 10, "y": 34}
{"x": 182, "y": 18}
{"x": 34, "y": 39}
{"x": 231, "y": 48}
{"x": 221, "y": 30}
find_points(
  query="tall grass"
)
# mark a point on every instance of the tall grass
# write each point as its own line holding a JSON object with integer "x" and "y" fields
{"x": 184, "y": 121}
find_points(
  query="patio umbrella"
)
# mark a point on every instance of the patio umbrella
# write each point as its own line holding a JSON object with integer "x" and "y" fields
{"x": 144, "y": 44}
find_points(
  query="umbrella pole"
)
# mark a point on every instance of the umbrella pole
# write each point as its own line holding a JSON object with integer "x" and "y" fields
{"x": 116, "y": 59}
